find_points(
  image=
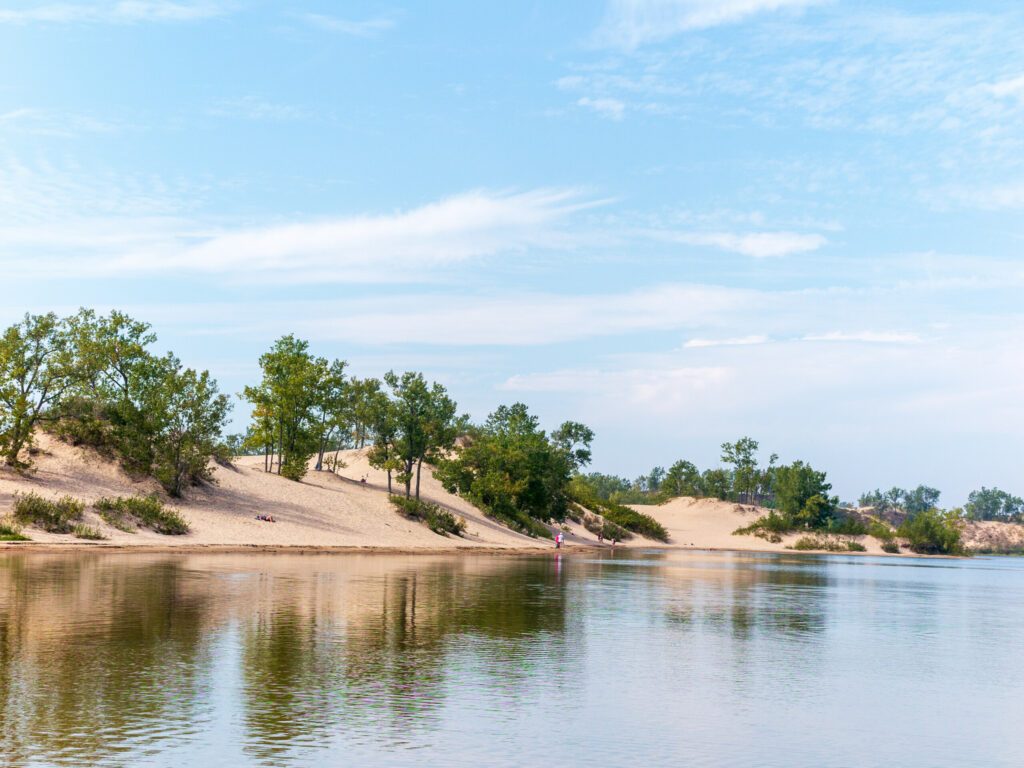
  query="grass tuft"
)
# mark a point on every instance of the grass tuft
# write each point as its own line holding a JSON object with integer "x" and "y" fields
{"x": 440, "y": 521}
{"x": 128, "y": 512}
{"x": 54, "y": 516}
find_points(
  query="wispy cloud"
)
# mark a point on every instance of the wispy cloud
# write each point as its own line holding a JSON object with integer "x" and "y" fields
{"x": 123, "y": 12}
{"x": 403, "y": 246}
{"x": 631, "y": 23}
{"x": 737, "y": 341}
{"x": 254, "y": 108}
{"x": 356, "y": 28}
{"x": 758, "y": 245}
{"x": 614, "y": 109}
{"x": 1012, "y": 87}
{"x": 40, "y": 122}
{"x": 866, "y": 337}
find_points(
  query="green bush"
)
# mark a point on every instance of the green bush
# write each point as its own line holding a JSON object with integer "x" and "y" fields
{"x": 54, "y": 516}
{"x": 845, "y": 525}
{"x": 609, "y": 530}
{"x": 440, "y": 521}
{"x": 891, "y": 547}
{"x": 932, "y": 532}
{"x": 769, "y": 527}
{"x": 828, "y": 544}
{"x": 624, "y": 517}
{"x": 11, "y": 531}
{"x": 881, "y": 531}
{"x": 83, "y": 531}
{"x": 125, "y": 512}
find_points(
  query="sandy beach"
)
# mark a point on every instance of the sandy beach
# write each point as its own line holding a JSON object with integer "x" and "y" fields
{"x": 347, "y": 511}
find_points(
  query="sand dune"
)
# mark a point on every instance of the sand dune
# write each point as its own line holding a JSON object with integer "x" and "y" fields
{"x": 324, "y": 510}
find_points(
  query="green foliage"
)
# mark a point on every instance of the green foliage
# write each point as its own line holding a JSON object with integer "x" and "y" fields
{"x": 716, "y": 484}
{"x": 933, "y": 532}
{"x": 511, "y": 470}
{"x": 801, "y": 495}
{"x": 605, "y": 528}
{"x": 284, "y": 403}
{"x": 10, "y": 530}
{"x": 828, "y": 544}
{"x": 769, "y": 527}
{"x": 36, "y": 369}
{"x": 742, "y": 455}
{"x": 911, "y": 502}
{"x": 682, "y": 479}
{"x": 57, "y": 516}
{"x": 891, "y": 547}
{"x": 126, "y": 512}
{"x": 881, "y": 531}
{"x": 83, "y": 531}
{"x": 845, "y": 525}
{"x": 439, "y": 520}
{"x": 994, "y": 504}
{"x": 580, "y": 491}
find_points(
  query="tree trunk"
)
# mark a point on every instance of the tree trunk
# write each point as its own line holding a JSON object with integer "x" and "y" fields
{"x": 280, "y": 447}
{"x": 419, "y": 465}
{"x": 389, "y": 482}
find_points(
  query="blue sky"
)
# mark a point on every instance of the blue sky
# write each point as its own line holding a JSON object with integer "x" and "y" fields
{"x": 679, "y": 221}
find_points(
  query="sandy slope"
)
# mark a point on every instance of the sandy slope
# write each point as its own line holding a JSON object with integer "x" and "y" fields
{"x": 323, "y": 510}
{"x": 709, "y": 524}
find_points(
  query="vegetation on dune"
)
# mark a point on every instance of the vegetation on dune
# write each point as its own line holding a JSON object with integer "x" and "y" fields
{"x": 994, "y": 504}
{"x": 581, "y": 492}
{"x": 439, "y": 520}
{"x": 10, "y": 530}
{"x": 53, "y": 516}
{"x": 93, "y": 381}
{"x": 933, "y": 532}
{"x": 83, "y": 531}
{"x": 126, "y": 513}
{"x": 828, "y": 543}
{"x": 515, "y": 472}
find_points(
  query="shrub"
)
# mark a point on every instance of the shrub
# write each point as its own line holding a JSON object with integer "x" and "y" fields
{"x": 846, "y": 525}
{"x": 440, "y": 521}
{"x": 622, "y": 516}
{"x": 828, "y": 544}
{"x": 124, "y": 512}
{"x": 53, "y": 516}
{"x": 10, "y": 530}
{"x": 881, "y": 531}
{"x": 769, "y": 527}
{"x": 83, "y": 531}
{"x": 932, "y": 532}
{"x": 891, "y": 547}
{"x": 605, "y": 528}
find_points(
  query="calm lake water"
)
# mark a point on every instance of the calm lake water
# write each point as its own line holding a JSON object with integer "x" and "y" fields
{"x": 696, "y": 659}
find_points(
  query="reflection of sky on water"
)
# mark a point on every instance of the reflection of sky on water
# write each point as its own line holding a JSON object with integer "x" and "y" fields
{"x": 701, "y": 658}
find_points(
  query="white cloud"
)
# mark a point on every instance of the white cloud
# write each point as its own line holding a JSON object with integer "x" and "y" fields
{"x": 40, "y": 122}
{"x": 253, "y": 108}
{"x": 360, "y": 28}
{"x": 759, "y": 245}
{"x": 991, "y": 197}
{"x": 1012, "y": 87}
{"x": 867, "y": 337}
{"x": 610, "y": 108}
{"x": 738, "y": 341}
{"x": 536, "y": 319}
{"x": 630, "y": 23}
{"x": 397, "y": 247}
{"x": 124, "y": 12}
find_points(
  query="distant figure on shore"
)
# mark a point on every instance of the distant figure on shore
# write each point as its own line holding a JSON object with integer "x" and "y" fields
{"x": 266, "y": 518}
{"x": 558, "y": 540}
{"x": 600, "y": 538}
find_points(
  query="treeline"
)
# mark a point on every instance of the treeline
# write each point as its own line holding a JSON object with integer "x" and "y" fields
{"x": 985, "y": 504}
{"x": 95, "y": 380}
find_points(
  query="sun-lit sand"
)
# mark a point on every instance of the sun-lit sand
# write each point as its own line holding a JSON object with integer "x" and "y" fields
{"x": 328, "y": 510}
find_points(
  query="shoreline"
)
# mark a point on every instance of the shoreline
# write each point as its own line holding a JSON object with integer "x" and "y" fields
{"x": 46, "y": 547}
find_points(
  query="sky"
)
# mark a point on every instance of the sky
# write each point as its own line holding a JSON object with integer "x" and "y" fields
{"x": 677, "y": 221}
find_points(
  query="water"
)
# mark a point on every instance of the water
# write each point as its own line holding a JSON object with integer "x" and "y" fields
{"x": 694, "y": 659}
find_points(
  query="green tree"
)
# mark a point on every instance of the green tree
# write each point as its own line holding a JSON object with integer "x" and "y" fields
{"x": 331, "y": 406}
{"x": 380, "y": 421}
{"x": 994, "y": 504}
{"x": 933, "y": 532}
{"x": 742, "y": 455}
{"x": 286, "y": 397}
{"x": 190, "y": 415}
{"x": 36, "y": 369}
{"x": 426, "y": 421}
{"x": 716, "y": 484}
{"x": 682, "y": 479}
{"x": 802, "y": 495}
{"x": 512, "y": 470}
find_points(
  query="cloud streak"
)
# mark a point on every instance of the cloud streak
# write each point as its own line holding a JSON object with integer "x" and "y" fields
{"x": 124, "y": 12}
{"x": 632, "y": 23}
{"x": 758, "y": 245}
